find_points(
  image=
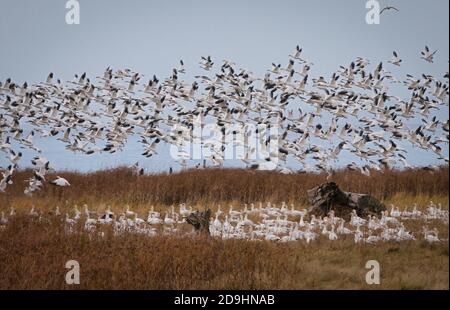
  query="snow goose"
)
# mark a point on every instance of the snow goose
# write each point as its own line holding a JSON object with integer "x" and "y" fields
{"x": 289, "y": 237}
{"x": 332, "y": 234}
{"x": 14, "y": 158}
{"x": 218, "y": 212}
{"x": 271, "y": 237}
{"x": 168, "y": 220}
{"x": 138, "y": 221}
{"x": 309, "y": 235}
{"x": 108, "y": 214}
{"x": 395, "y": 212}
{"x": 184, "y": 211}
{"x": 325, "y": 231}
{"x": 373, "y": 223}
{"x": 57, "y": 211}
{"x": 427, "y": 55}
{"x": 217, "y": 224}
{"x": 59, "y": 181}
{"x": 33, "y": 212}
{"x": 129, "y": 213}
{"x": 301, "y": 222}
{"x": 90, "y": 223}
{"x": 89, "y": 213}
{"x": 395, "y": 59}
{"x": 403, "y": 234}
{"x": 3, "y": 219}
{"x": 416, "y": 213}
{"x": 77, "y": 213}
{"x": 431, "y": 236}
{"x": 297, "y": 53}
{"x": 342, "y": 230}
{"x": 233, "y": 213}
{"x": 154, "y": 218}
{"x": 153, "y": 213}
{"x": 226, "y": 227}
{"x": 245, "y": 221}
{"x": 4, "y": 182}
{"x": 372, "y": 238}
{"x": 359, "y": 236}
{"x": 70, "y": 221}
{"x": 356, "y": 220}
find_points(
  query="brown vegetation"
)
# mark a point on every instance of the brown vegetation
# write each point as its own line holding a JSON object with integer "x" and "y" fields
{"x": 33, "y": 253}
{"x": 33, "y": 256}
{"x": 120, "y": 186}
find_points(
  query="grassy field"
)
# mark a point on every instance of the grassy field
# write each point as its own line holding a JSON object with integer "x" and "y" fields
{"x": 32, "y": 256}
{"x": 33, "y": 253}
{"x": 119, "y": 187}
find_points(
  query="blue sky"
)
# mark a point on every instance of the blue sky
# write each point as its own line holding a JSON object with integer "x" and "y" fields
{"x": 152, "y": 36}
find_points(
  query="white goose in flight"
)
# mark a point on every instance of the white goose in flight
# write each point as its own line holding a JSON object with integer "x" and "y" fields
{"x": 396, "y": 61}
{"x": 427, "y": 55}
{"x": 61, "y": 182}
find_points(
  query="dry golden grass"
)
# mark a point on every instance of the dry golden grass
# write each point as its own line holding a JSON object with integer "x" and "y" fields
{"x": 119, "y": 187}
{"x": 33, "y": 254}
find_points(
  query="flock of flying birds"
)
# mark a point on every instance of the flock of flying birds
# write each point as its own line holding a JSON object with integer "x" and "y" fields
{"x": 353, "y": 111}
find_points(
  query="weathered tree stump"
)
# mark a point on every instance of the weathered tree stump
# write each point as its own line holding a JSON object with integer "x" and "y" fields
{"x": 329, "y": 196}
{"x": 200, "y": 221}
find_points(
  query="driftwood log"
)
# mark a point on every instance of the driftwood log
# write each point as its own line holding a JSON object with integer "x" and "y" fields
{"x": 329, "y": 196}
{"x": 200, "y": 221}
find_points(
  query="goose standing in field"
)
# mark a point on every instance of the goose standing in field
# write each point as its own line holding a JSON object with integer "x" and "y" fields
{"x": 309, "y": 235}
{"x": 138, "y": 221}
{"x": 216, "y": 226}
{"x": 358, "y": 235}
{"x": 153, "y": 213}
{"x": 33, "y": 212}
{"x": 57, "y": 212}
{"x": 371, "y": 239}
{"x": 153, "y": 218}
{"x": 107, "y": 217}
{"x": 431, "y": 236}
{"x": 129, "y": 213}
{"x": 395, "y": 211}
{"x": 356, "y": 220}
{"x": 90, "y": 223}
{"x": 245, "y": 221}
{"x": 332, "y": 234}
{"x": 403, "y": 234}
{"x": 342, "y": 230}
{"x": 70, "y": 221}
{"x": 184, "y": 212}
{"x": 88, "y": 213}
{"x": 168, "y": 220}
{"x": 3, "y": 219}
{"x": 77, "y": 213}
